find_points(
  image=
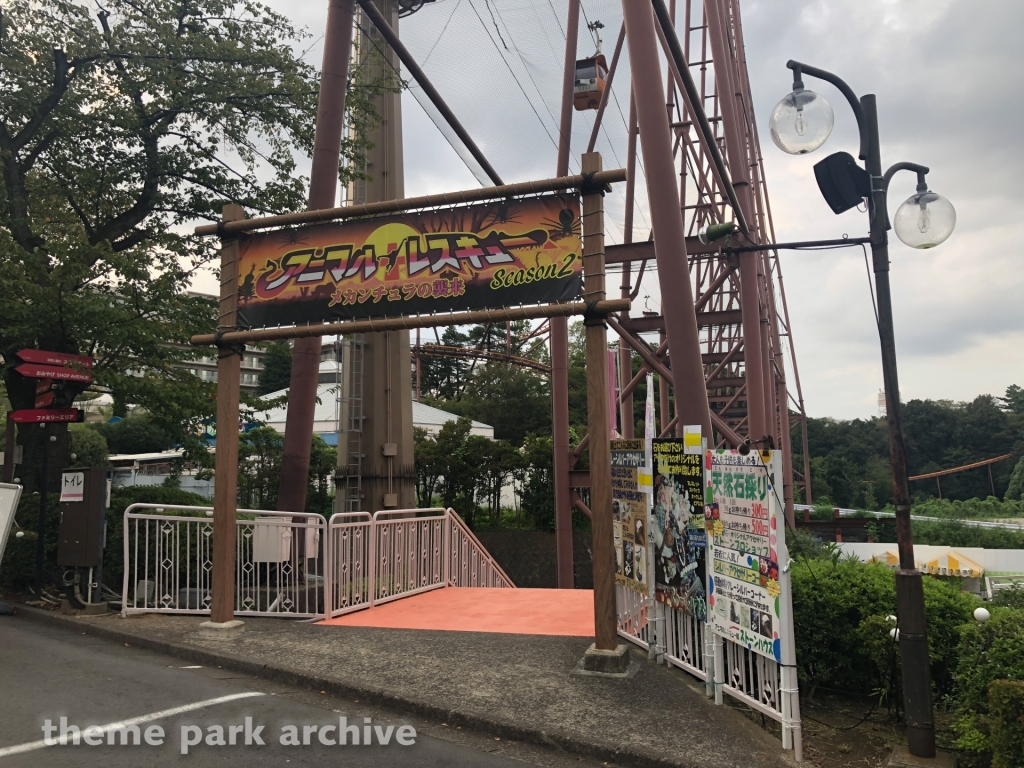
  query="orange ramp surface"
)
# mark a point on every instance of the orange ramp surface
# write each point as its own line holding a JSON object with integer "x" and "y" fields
{"x": 474, "y": 609}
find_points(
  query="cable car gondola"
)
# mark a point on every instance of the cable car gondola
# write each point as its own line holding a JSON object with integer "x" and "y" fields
{"x": 591, "y": 80}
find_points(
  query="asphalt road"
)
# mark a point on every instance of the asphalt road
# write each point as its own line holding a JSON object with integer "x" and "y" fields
{"x": 47, "y": 673}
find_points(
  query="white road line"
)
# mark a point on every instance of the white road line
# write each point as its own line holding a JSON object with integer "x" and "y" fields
{"x": 34, "y": 745}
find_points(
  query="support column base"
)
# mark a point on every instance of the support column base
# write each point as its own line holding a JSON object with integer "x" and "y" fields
{"x": 901, "y": 758}
{"x": 606, "y": 662}
{"x": 221, "y": 630}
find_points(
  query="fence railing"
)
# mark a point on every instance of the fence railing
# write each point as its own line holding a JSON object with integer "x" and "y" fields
{"x": 399, "y": 553}
{"x": 685, "y": 641}
{"x": 168, "y": 561}
{"x": 299, "y": 565}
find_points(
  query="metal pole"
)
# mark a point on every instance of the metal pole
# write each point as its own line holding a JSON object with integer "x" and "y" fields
{"x": 667, "y": 223}
{"x": 605, "y": 629}
{"x": 753, "y": 344}
{"x": 625, "y": 353}
{"x": 41, "y": 527}
{"x": 560, "y": 337}
{"x": 225, "y": 489}
{"x": 323, "y": 185}
{"x": 917, "y": 688}
{"x": 9, "y": 443}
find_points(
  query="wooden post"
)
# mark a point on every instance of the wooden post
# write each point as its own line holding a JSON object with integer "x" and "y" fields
{"x": 225, "y": 494}
{"x": 605, "y": 634}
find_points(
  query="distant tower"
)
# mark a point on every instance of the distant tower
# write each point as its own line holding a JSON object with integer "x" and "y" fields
{"x": 881, "y": 402}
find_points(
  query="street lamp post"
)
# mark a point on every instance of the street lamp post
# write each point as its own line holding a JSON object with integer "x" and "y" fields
{"x": 800, "y": 124}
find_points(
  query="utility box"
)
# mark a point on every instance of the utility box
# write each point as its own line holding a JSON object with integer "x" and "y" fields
{"x": 83, "y": 504}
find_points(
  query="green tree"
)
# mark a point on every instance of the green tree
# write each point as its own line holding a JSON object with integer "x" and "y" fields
{"x": 119, "y": 125}
{"x": 513, "y": 400}
{"x": 259, "y": 471}
{"x": 136, "y": 434}
{"x": 277, "y": 368}
{"x": 536, "y": 482}
{"x": 88, "y": 446}
{"x": 1015, "y": 489}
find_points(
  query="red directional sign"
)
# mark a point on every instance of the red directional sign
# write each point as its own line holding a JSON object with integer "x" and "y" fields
{"x": 45, "y": 399}
{"x": 32, "y": 371}
{"x": 41, "y": 415}
{"x": 43, "y": 385}
{"x": 54, "y": 358}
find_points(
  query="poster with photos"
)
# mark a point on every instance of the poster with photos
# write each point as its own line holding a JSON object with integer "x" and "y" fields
{"x": 629, "y": 515}
{"x": 746, "y": 529}
{"x": 677, "y": 522}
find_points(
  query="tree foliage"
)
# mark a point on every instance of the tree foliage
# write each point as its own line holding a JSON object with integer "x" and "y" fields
{"x": 850, "y": 459}
{"x": 277, "y": 368}
{"x": 121, "y": 124}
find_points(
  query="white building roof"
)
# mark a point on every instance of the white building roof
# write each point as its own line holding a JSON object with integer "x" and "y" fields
{"x": 325, "y": 414}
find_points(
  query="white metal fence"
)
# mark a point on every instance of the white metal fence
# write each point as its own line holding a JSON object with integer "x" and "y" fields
{"x": 394, "y": 554}
{"x": 168, "y": 561}
{"x": 678, "y": 638}
{"x": 299, "y": 565}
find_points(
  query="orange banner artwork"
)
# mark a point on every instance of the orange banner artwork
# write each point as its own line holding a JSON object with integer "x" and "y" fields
{"x": 500, "y": 254}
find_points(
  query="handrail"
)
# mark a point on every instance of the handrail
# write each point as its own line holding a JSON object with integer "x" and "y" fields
{"x": 458, "y": 521}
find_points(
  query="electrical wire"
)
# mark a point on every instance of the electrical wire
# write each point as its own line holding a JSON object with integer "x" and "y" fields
{"x": 512, "y": 72}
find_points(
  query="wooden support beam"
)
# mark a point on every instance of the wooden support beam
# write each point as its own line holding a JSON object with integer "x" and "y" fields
{"x": 225, "y": 491}
{"x": 605, "y": 623}
{"x": 411, "y": 203}
{"x": 412, "y": 321}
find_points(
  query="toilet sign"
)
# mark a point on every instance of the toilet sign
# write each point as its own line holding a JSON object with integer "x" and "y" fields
{"x": 72, "y": 486}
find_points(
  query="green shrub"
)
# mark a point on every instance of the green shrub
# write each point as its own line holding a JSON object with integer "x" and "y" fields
{"x": 989, "y": 508}
{"x": 1009, "y": 598}
{"x": 842, "y": 641}
{"x": 18, "y": 567}
{"x": 987, "y": 652}
{"x": 1006, "y": 704}
{"x": 951, "y": 533}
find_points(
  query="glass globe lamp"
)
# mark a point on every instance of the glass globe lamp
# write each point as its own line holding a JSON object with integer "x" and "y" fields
{"x": 801, "y": 122}
{"x": 925, "y": 219}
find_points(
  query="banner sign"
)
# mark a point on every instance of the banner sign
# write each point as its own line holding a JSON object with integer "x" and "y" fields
{"x": 46, "y": 415}
{"x": 629, "y": 515}
{"x": 43, "y": 357}
{"x": 679, "y": 527}
{"x": 746, "y": 528}
{"x": 33, "y": 371}
{"x": 485, "y": 256}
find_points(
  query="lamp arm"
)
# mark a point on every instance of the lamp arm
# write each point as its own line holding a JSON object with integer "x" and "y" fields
{"x": 846, "y": 90}
{"x": 920, "y": 170}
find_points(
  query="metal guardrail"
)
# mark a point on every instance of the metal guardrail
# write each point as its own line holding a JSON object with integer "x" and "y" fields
{"x": 299, "y": 565}
{"x": 399, "y": 553}
{"x": 687, "y": 643}
{"x": 923, "y": 518}
{"x": 168, "y": 561}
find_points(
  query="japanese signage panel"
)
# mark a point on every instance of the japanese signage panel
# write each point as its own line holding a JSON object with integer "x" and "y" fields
{"x": 72, "y": 486}
{"x": 483, "y": 256}
{"x": 679, "y": 532}
{"x": 629, "y": 513}
{"x": 746, "y": 534}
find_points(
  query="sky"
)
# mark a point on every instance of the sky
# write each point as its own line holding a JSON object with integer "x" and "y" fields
{"x": 948, "y": 86}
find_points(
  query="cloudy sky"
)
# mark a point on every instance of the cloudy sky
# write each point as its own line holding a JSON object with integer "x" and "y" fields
{"x": 948, "y": 79}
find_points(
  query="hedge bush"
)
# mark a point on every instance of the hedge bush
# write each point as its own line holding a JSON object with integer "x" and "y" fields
{"x": 1006, "y": 703}
{"x": 839, "y": 613}
{"x": 987, "y": 652}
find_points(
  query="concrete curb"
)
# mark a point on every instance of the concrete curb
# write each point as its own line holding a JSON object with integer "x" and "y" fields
{"x": 283, "y": 674}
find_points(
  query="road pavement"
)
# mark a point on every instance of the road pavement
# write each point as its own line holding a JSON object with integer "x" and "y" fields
{"x": 49, "y": 673}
